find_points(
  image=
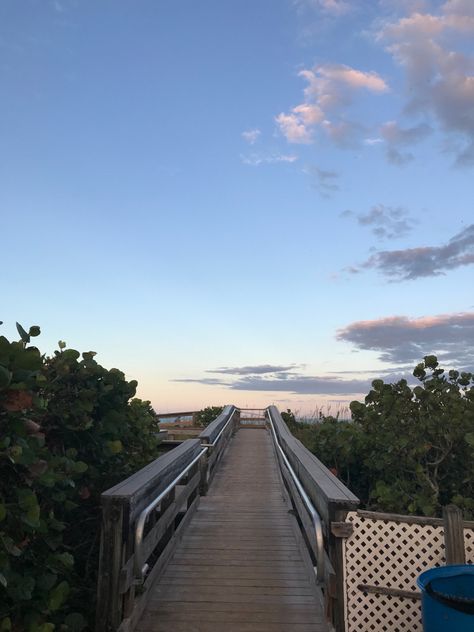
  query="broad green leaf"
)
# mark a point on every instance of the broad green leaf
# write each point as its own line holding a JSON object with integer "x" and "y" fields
{"x": 71, "y": 354}
{"x": 75, "y": 622}
{"x": 65, "y": 558}
{"x": 80, "y": 467}
{"x": 469, "y": 437}
{"x": 5, "y": 625}
{"x": 32, "y": 517}
{"x": 47, "y": 581}
{"x": 27, "y": 499}
{"x": 21, "y": 587}
{"x": 41, "y": 627}
{"x": 115, "y": 446}
{"x": 10, "y": 545}
{"x": 58, "y": 596}
{"x": 23, "y": 335}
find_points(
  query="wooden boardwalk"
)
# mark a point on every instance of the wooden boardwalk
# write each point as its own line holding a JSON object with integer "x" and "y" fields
{"x": 240, "y": 566}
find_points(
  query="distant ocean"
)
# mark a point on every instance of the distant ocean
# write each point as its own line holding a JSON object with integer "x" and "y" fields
{"x": 172, "y": 420}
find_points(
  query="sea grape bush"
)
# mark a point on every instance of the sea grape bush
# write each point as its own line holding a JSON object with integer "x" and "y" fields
{"x": 406, "y": 450}
{"x": 205, "y": 416}
{"x": 69, "y": 428}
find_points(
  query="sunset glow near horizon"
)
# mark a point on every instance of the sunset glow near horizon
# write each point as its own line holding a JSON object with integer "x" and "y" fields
{"x": 240, "y": 202}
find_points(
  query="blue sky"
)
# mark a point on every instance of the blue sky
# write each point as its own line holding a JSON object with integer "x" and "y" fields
{"x": 246, "y": 202}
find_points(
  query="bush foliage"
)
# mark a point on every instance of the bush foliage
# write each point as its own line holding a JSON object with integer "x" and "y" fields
{"x": 207, "y": 415}
{"x": 406, "y": 450}
{"x": 69, "y": 429}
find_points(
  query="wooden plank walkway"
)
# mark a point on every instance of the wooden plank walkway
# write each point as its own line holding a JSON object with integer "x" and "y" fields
{"x": 239, "y": 567}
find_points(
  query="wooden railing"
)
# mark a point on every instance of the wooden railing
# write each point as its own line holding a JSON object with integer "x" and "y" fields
{"x": 125, "y": 574}
{"x": 216, "y": 437}
{"x": 332, "y": 501}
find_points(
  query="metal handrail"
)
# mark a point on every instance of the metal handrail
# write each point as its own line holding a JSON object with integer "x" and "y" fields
{"x": 139, "y": 567}
{"x": 315, "y": 517}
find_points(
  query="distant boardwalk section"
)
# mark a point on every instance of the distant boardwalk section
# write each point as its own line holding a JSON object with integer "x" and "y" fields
{"x": 239, "y": 565}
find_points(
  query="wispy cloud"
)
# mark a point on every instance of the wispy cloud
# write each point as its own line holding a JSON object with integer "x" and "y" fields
{"x": 210, "y": 381}
{"x": 403, "y": 339}
{"x": 329, "y": 88}
{"x": 290, "y": 383}
{"x": 332, "y": 7}
{"x": 255, "y": 160}
{"x": 424, "y": 261}
{"x": 303, "y": 385}
{"x": 373, "y": 141}
{"x": 439, "y": 72}
{"x": 251, "y": 136}
{"x": 397, "y": 137}
{"x": 259, "y": 369}
{"x": 326, "y": 182}
{"x": 385, "y": 222}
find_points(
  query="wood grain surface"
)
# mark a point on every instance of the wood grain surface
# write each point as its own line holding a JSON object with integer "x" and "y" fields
{"x": 239, "y": 566}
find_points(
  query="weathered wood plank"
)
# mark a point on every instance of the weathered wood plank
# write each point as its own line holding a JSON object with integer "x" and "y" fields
{"x": 326, "y": 491}
{"x": 142, "y": 602}
{"x": 147, "y": 483}
{"x": 454, "y": 535}
{"x": 239, "y": 564}
{"x": 158, "y": 531}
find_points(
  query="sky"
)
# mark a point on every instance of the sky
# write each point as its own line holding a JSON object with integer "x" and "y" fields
{"x": 245, "y": 202}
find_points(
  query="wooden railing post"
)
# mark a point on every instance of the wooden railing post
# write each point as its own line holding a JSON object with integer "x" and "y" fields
{"x": 332, "y": 500}
{"x": 454, "y": 535}
{"x": 109, "y": 601}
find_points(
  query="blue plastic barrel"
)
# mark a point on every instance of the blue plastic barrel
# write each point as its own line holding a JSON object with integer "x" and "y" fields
{"x": 447, "y": 598}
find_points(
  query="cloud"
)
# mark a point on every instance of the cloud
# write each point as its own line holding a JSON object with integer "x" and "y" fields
{"x": 255, "y": 160}
{"x": 344, "y": 134}
{"x": 372, "y": 141}
{"x": 303, "y": 385}
{"x": 459, "y": 7}
{"x": 332, "y": 7}
{"x": 427, "y": 261}
{"x": 293, "y": 128}
{"x": 396, "y": 136}
{"x": 251, "y": 136}
{"x": 439, "y": 73}
{"x": 211, "y": 381}
{"x": 403, "y": 339}
{"x": 329, "y": 87}
{"x": 254, "y": 370}
{"x": 386, "y": 222}
{"x": 290, "y": 383}
{"x": 326, "y": 182}
{"x": 399, "y": 158}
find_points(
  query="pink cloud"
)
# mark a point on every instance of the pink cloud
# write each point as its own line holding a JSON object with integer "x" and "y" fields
{"x": 439, "y": 75}
{"x": 403, "y": 339}
{"x": 293, "y": 128}
{"x": 329, "y": 87}
{"x": 353, "y": 78}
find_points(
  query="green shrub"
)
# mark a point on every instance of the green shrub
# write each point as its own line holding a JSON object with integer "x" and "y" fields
{"x": 407, "y": 450}
{"x": 68, "y": 430}
{"x": 205, "y": 416}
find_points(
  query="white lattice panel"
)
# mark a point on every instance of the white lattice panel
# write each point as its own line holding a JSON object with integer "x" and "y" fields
{"x": 390, "y": 554}
{"x": 469, "y": 545}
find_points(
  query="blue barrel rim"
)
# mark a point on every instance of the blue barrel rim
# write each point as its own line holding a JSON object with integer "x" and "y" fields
{"x": 451, "y": 601}
{"x": 443, "y": 571}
